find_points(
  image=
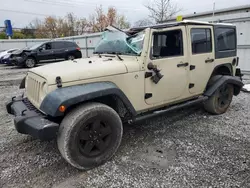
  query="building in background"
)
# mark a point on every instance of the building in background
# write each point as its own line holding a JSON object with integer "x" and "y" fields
{"x": 239, "y": 16}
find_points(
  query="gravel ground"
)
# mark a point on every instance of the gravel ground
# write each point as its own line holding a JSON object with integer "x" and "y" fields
{"x": 187, "y": 148}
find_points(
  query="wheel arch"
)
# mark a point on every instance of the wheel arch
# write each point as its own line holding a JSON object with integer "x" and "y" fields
{"x": 103, "y": 92}
{"x": 218, "y": 80}
{"x": 223, "y": 69}
{"x": 31, "y": 56}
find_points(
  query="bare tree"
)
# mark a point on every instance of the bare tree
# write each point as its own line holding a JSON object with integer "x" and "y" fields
{"x": 82, "y": 26}
{"x": 100, "y": 20}
{"x": 143, "y": 22}
{"x": 71, "y": 21}
{"x": 162, "y": 10}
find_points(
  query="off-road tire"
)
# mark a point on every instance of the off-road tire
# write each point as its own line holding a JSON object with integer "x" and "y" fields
{"x": 75, "y": 122}
{"x": 214, "y": 104}
{"x": 28, "y": 64}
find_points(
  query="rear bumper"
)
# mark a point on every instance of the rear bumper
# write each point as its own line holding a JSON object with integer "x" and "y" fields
{"x": 29, "y": 120}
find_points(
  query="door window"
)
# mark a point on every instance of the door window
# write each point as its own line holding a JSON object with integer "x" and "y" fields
{"x": 46, "y": 46}
{"x": 201, "y": 40}
{"x": 58, "y": 45}
{"x": 167, "y": 44}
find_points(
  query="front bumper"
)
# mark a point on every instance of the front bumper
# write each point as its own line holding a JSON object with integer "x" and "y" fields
{"x": 28, "y": 120}
{"x": 17, "y": 60}
{"x": 6, "y": 61}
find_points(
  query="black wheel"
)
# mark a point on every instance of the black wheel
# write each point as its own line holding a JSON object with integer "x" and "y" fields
{"x": 70, "y": 57}
{"x": 89, "y": 135}
{"x": 220, "y": 101}
{"x": 30, "y": 62}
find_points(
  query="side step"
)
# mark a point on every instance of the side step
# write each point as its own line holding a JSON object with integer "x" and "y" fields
{"x": 168, "y": 109}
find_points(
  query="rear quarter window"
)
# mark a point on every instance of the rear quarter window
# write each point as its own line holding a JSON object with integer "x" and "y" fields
{"x": 225, "y": 41}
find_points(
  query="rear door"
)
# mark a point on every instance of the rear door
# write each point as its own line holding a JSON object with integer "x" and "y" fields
{"x": 201, "y": 50}
{"x": 59, "y": 50}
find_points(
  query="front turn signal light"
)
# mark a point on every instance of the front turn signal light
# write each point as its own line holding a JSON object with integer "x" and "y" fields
{"x": 62, "y": 108}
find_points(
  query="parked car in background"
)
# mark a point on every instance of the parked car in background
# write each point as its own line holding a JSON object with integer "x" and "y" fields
{"x": 4, "y": 54}
{"x": 46, "y": 52}
{"x": 6, "y": 59}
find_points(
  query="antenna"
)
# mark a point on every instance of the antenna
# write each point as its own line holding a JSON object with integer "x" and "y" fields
{"x": 213, "y": 11}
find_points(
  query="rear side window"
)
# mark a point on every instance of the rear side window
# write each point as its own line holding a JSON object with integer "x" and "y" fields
{"x": 201, "y": 40}
{"x": 58, "y": 45}
{"x": 226, "y": 39}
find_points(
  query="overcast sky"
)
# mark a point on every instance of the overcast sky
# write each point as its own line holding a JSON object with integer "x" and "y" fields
{"x": 132, "y": 9}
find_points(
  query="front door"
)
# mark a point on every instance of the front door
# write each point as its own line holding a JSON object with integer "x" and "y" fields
{"x": 169, "y": 55}
{"x": 201, "y": 48}
{"x": 46, "y": 53}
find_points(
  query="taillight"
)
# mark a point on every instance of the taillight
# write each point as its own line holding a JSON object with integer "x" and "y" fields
{"x": 78, "y": 49}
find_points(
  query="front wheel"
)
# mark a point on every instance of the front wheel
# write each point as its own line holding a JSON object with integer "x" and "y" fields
{"x": 30, "y": 62}
{"x": 220, "y": 101}
{"x": 89, "y": 135}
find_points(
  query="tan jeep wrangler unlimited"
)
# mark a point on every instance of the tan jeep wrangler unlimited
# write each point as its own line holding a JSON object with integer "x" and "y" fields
{"x": 132, "y": 75}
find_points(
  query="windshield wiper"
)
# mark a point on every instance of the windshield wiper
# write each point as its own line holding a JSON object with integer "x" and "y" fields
{"x": 119, "y": 57}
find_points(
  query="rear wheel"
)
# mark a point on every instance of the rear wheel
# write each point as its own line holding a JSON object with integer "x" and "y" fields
{"x": 70, "y": 57}
{"x": 220, "y": 101}
{"x": 30, "y": 62}
{"x": 89, "y": 135}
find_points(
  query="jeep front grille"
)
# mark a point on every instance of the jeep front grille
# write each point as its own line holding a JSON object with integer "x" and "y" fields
{"x": 33, "y": 89}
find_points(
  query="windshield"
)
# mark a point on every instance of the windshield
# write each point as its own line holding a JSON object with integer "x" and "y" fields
{"x": 117, "y": 42}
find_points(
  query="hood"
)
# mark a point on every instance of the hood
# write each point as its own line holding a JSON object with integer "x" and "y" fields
{"x": 6, "y": 56}
{"x": 80, "y": 69}
{"x": 18, "y": 52}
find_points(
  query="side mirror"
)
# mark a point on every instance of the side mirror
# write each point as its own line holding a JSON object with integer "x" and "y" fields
{"x": 40, "y": 49}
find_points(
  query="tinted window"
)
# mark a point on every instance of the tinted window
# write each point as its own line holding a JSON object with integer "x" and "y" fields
{"x": 70, "y": 44}
{"x": 167, "y": 44}
{"x": 201, "y": 41}
{"x": 226, "y": 39}
{"x": 58, "y": 45}
{"x": 46, "y": 46}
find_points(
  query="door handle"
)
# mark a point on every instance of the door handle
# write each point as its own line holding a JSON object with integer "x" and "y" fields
{"x": 209, "y": 60}
{"x": 182, "y": 65}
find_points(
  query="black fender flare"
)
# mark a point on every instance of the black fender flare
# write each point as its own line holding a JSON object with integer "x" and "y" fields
{"x": 72, "y": 95}
{"x": 218, "y": 80}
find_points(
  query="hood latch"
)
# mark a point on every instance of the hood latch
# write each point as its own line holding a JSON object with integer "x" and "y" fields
{"x": 58, "y": 81}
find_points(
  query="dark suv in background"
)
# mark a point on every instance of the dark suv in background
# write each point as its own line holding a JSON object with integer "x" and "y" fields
{"x": 46, "y": 52}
